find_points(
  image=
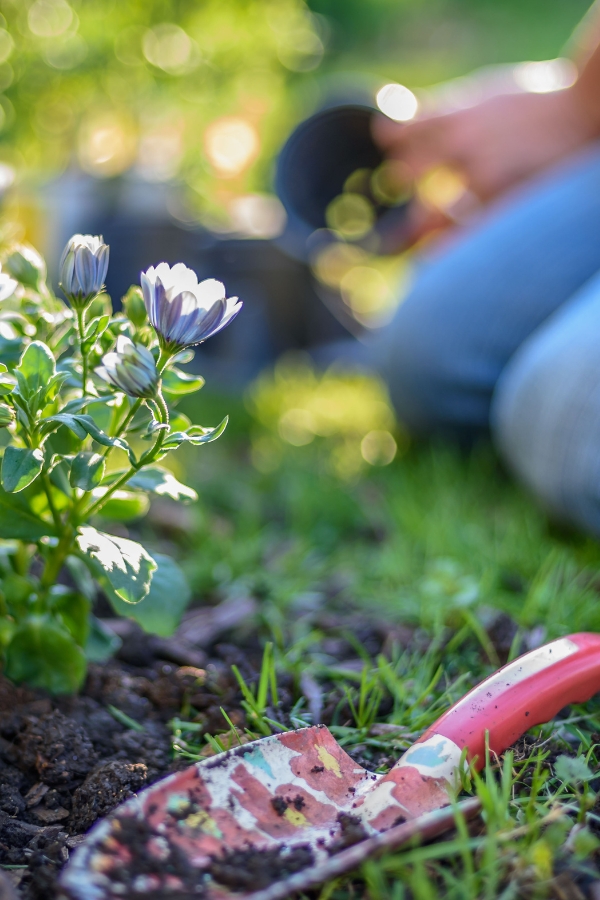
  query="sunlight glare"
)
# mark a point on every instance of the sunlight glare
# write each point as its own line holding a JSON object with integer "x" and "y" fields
{"x": 397, "y": 102}
{"x": 231, "y": 144}
{"x": 546, "y": 75}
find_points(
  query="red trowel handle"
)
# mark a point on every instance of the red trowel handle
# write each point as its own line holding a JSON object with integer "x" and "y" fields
{"x": 526, "y": 692}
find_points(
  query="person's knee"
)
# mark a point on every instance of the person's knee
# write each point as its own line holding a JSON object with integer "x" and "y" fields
{"x": 545, "y": 417}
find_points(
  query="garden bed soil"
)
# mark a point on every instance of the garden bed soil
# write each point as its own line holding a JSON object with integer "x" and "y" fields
{"x": 66, "y": 762}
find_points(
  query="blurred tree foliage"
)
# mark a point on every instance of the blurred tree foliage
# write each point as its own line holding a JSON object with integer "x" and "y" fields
{"x": 423, "y": 41}
{"x": 113, "y": 84}
{"x": 205, "y": 90}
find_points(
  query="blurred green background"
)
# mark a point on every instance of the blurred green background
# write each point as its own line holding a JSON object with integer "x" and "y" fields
{"x": 201, "y": 93}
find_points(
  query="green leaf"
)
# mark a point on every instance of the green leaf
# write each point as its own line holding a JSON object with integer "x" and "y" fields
{"x": 44, "y": 654}
{"x": 36, "y": 369}
{"x": 17, "y": 591}
{"x": 572, "y": 769}
{"x": 82, "y": 577}
{"x": 123, "y": 506}
{"x": 7, "y": 384}
{"x": 163, "y": 483}
{"x": 51, "y": 423}
{"x": 20, "y": 467}
{"x": 102, "y": 643}
{"x": 18, "y": 522}
{"x": 584, "y": 843}
{"x": 59, "y": 477}
{"x": 54, "y": 385}
{"x": 96, "y": 327}
{"x": 179, "y": 421}
{"x": 195, "y": 435}
{"x": 7, "y": 629}
{"x": 94, "y": 331}
{"x": 122, "y": 566}
{"x": 73, "y": 406}
{"x": 81, "y": 426}
{"x": 72, "y": 609}
{"x": 11, "y": 349}
{"x": 177, "y": 383}
{"x": 87, "y": 471}
{"x": 161, "y": 611}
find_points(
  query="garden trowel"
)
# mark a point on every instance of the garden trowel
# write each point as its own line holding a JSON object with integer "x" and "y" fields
{"x": 290, "y": 811}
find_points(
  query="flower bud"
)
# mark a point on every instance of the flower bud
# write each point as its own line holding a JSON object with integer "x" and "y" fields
{"x": 133, "y": 304}
{"x": 26, "y": 266}
{"x": 182, "y": 311}
{"x": 130, "y": 368}
{"x": 7, "y": 415}
{"x": 83, "y": 267}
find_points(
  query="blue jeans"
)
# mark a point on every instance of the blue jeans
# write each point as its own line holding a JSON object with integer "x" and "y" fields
{"x": 502, "y": 328}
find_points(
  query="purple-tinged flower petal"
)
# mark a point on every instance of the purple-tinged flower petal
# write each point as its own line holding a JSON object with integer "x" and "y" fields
{"x": 130, "y": 368}
{"x": 183, "y": 311}
{"x": 83, "y": 268}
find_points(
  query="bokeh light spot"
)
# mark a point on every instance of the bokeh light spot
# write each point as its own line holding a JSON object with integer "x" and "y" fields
{"x": 170, "y": 48}
{"x": 258, "y": 215}
{"x": 231, "y": 144}
{"x": 351, "y": 215}
{"x": 397, "y": 102}
{"x": 49, "y": 18}
{"x": 107, "y": 145}
{"x": 301, "y": 51}
{"x": 6, "y": 45}
{"x": 365, "y": 290}
{"x": 334, "y": 260}
{"x": 358, "y": 182}
{"x": 441, "y": 187}
{"x": 546, "y": 75}
{"x": 378, "y": 448}
{"x": 297, "y": 427}
{"x": 392, "y": 183}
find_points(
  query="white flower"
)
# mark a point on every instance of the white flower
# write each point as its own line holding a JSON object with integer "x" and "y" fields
{"x": 83, "y": 267}
{"x": 183, "y": 311}
{"x": 130, "y": 368}
{"x": 7, "y": 285}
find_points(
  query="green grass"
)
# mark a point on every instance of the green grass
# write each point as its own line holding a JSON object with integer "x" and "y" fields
{"x": 438, "y": 542}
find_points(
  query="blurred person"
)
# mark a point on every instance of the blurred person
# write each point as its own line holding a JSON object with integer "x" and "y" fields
{"x": 501, "y": 328}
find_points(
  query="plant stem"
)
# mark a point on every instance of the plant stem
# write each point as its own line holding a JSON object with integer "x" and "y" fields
{"x": 145, "y": 460}
{"x": 56, "y": 560}
{"x": 163, "y": 360}
{"x": 99, "y": 503}
{"x": 48, "y": 491}
{"x": 21, "y": 559}
{"x": 80, "y": 313}
{"x": 164, "y": 409}
{"x": 124, "y": 424}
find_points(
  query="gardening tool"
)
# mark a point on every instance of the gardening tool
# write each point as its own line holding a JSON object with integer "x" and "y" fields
{"x": 287, "y": 812}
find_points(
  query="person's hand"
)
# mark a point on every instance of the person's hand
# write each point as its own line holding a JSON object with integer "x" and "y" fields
{"x": 496, "y": 144}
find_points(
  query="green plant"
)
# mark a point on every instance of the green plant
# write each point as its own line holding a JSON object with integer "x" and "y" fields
{"x": 85, "y": 427}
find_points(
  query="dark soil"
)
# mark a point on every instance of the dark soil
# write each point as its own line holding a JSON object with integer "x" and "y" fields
{"x": 137, "y": 836}
{"x": 244, "y": 870}
{"x": 66, "y": 762}
{"x": 351, "y": 832}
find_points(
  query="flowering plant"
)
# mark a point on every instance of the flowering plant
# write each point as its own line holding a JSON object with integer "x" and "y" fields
{"x": 84, "y": 425}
